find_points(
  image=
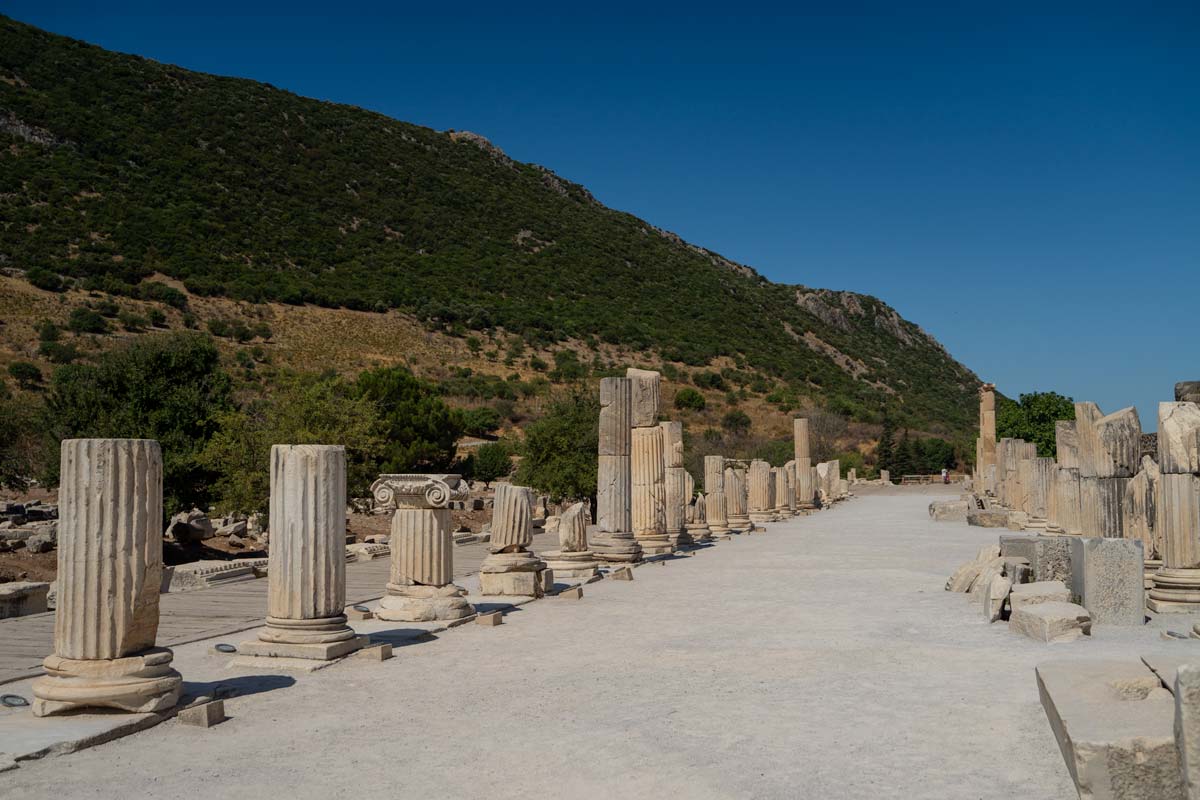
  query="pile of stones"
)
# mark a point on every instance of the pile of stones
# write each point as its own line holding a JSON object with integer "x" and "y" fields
{"x": 32, "y": 526}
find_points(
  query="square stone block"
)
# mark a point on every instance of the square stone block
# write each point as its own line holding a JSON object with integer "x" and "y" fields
{"x": 574, "y": 593}
{"x": 381, "y": 651}
{"x": 1019, "y": 546}
{"x": 1029, "y": 594}
{"x": 622, "y": 574}
{"x": 490, "y": 620}
{"x": 1107, "y": 579}
{"x": 318, "y": 652}
{"x": 1051, "y": 621}
{"x": 204, "y": 715}
{"x": 521, "y": 584}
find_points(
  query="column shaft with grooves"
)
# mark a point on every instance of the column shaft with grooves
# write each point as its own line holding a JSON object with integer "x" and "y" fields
{"x": 715, "y": 509}
{"x": 1067, "y": 504}
{"x": 512, "y": 518}
{"x": 759, "y": 489}
{"x": 648, "y": 481}
{"x": 109, "y": 548}
{"x": 307, "y": 563}
{"x": 800, "y": 440}
{"x": 1178, "y": 506}
{"x": 613, "y": 470}
{"x": 806, "y": 488}
{"x": 421, "y": 547}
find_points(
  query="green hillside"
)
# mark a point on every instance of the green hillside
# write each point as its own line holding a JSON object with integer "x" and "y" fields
{"x": 114, "y": 167}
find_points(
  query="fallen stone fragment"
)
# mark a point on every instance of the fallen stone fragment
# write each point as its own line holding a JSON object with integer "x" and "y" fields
{"x": 949, "y": 510}
{"x": 204, "y": 715}
{"x": 988, "y": 518}
{"x": 993, "y": 597}
{"x": 380, "y": 651}
{"x": 964, "y": 577}
{"x": 1187, "y": 727}
{"x": 1114, "y": 725}
{"x": 1051, "y": 622}
{"x": 1030, "y": 594}
{"x": 490, "y": 619}
{"x": 574, "y": 593}
{"x": 1107, "y": 578}
{"x": 622, "y": 574}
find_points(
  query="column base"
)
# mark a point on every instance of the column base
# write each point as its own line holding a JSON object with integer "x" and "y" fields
{"x": 699, "y": 532}
{"x": 656, "y": 545}
{"x": 417, "y": 603}
{"x": 1175, "y": 591}
{"x": 521, "y": 574}
{"x": 615, "y": 548}
{"x": 571, "y": 565}
{"x": 740, "y": 524}
{"x": 324, "y": 651}
{"x": 140, "y": 683}
{"x": 762, "y": 516}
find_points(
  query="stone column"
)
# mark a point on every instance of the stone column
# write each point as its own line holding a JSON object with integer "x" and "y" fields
{"x": 781, "y": 492}
{"x": 572, "y": 559}
{"x": 1139, "y": 517}
{"x": 716, "y": 509}
{"x": 306, "y": 570}
{"x": 806, "y": 491}
{"x": 736, "y": 500}
{"x": 614, "y": 541}
{"x": 420, "y": 584}
{"x": 510, "y": 568}
{"x": 649, "y": 491}
{"x": 1109, "y": 455}
{"x": 985, "y": 453}
{"x": 1067, "y": 502}
{"x": 1177, "y": 506}
{"x": 675, "y": 476}
{"x": 790, "y": 475}
{"x": 697, "y": 518}
{"x": 759, "y": 492}
{"x": 109, "y": 578}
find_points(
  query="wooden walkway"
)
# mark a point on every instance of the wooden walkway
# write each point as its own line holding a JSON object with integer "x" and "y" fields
{"x": 203, "y": 613}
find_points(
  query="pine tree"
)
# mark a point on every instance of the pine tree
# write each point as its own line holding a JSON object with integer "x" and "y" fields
{"x": 885, "y": 450}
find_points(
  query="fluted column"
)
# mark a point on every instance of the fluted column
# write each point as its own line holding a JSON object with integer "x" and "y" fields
{"x": 573, "y": 559}
{"x": 1177, "y": 506}
{"x": 985, "y": 454}
{"x": 806, "y": 490}
{"x": 696, "y": 515}
{"x": 306, "y": 569}
{"x": 736, "y": 499}
{"x": 1140, "y": 516}
{"x": 716, "y": 510}
{"x": 109, "y": 574}
{"x": 780, "y": 497}
{"x": 649, "y": 491}
{"x": 420, "y": 585}
{"x": 675, "y": 478}
{"x": 614, "y": 540}
{"x": 510, "y": 569}
{"x": 790, "y": 475}
{"x": 1068, "y": 502}
{"x": 759, "y": 492}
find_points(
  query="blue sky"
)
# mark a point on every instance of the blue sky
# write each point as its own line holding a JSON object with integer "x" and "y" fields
{"x": 1021, "y": 180}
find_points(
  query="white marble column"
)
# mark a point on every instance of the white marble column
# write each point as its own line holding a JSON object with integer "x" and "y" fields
{"x": 758, "y": 491}
{"x": 109, "y": 578}
{"x": 716, "y": 509}
{"x": 420, "y": 585}
{"x": 649, "y": 491}
{"x": 510, "y": 568}
{"x": 614, "y": 541}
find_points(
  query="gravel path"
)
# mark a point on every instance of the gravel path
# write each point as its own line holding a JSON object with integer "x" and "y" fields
{"x": 821, "y": 660}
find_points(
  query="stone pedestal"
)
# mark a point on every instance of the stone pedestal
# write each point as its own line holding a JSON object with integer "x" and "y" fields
{"x": 306, "y": 590}
{"x": 109, "y": 578}
{"x": 420, "y": 584}
{"x": 510, "y": 569}
{"x": 614, "y": 541}
{"x": 572, "y": 559}
{"x": 697, "y": 521}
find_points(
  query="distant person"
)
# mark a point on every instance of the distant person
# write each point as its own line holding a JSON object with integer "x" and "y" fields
{"x": 945, "y": 475}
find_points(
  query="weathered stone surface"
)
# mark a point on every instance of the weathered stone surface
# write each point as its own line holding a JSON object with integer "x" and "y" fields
{"x": 109, "y": 578}
{"x": 1052, "y": 559}
{"x": 1101, "y": 502}
{"x": 1187, "y": 727}
{"x": 1138, "y": 515}
{"x": 21, "y": 598}
{"x": 736, "y": 499}
{"x": 964, "y": 577}
{"x": 613, "y": 495}
{"x": 1019, "y": 546}
{"x": 420, "y": 585}
{"x": 190, "y": 526}
{"x": 1089, "y": 451}
{"x": 1029, "y": 594}
{"x": 1106, "y": 578}
{"x": 1114, "y": 725}
{"x": 1050, "y": 621}
{"x": 1187, "y": 392}
{"x": 1179, "y": 437}
{"x": 204, "y": 715}
{"x": 649, "y": 494}
{"x": 1178, "y": 518}
{"x": 800, "y": 440}
{"x": 993, "y": 597}
{"x": 987, "y": 518}
{"x": 645, "y": 393}
{"x": 512, "y": 518}
{"x": 616, "y": 416}
{"x": 949, "y": 510}
{"x": 759, "y": 505}
{"x": 1066, "y": 439}
{"x": 1067, "y": 504}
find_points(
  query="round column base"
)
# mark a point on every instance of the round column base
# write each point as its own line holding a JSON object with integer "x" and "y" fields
{"x": 137, "y": 684}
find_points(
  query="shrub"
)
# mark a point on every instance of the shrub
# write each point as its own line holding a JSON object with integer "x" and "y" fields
{"x": 420, "y": 431}
{"x": 157, "y": 318}
{"x": 560, "y": 449}
{"x": 492, "y": 462}
{"x": 736, "y": 422}
{"x": 219, "y": 327}
{"x": 167, "y": 388}
{"x": 134, "y": 323}
{"x": 536, "y": 363}
{"x": 688, "y": 398}
{"x": 480, "y": 421}
{"x": 85, "y": 320}
{"x": 58, "y": 352}
{"x": 25, "y": 374}
{"x": 44, "y": 279}
{"x": 47, "y": 331}
{"x": 709, "y": 380}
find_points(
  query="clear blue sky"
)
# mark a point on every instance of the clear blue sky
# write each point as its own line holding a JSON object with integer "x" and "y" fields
{"x": 1021, "y": 180}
